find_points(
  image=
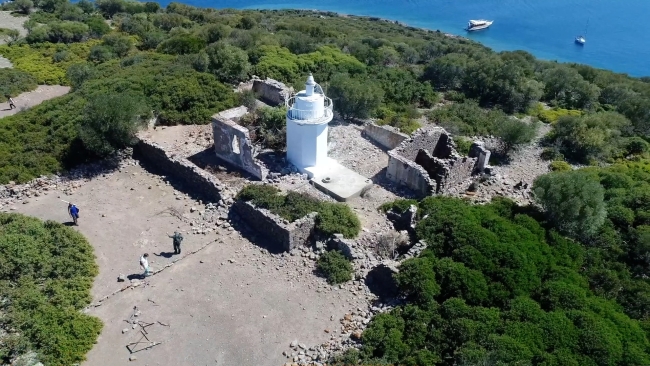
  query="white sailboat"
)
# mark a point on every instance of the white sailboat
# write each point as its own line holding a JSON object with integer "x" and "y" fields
{"x": 581, "y": 39}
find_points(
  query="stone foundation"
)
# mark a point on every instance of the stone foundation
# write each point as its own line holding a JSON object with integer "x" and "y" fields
{"x": 428, "y": 162}
{"x": 385, "y": 136}
{"x": 197, "y": 180}
{"x": 275, "y": 228}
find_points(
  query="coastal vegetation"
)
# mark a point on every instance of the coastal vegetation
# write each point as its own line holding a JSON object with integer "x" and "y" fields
{"x": 46, "y": 272}
{"x": 498, "y": 284}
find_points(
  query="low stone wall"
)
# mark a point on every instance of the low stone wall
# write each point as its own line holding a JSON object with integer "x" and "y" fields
{"x": 199, "y": 181}
{"x": 275, "y": 228}
{"x": 385, "y": 136}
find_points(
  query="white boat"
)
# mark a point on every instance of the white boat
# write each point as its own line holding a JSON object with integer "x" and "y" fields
{"x": 581, "y": 39}
{"x": 475, "y": 25}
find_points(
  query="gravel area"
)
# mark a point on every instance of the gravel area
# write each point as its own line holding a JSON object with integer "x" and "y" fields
{"x": 35, "y": 97}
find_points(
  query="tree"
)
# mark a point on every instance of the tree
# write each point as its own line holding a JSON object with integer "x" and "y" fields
{"x": 110, "y": 7}
{"x": 181, "y": 45}
{"x": 355, "y": 97}
{"x": 110, "y": 122}
{"x": 119, "y": 44}
{"x": 590, "y": 137}
{"x": 78, "y": 73}
{"x": 228, "y": 63}
{"x": 514, "y": 132}
{"x": 24, "y": 6}
{"x": 448, "y": 71}
{"x": 573, "y": 201}
{"x": 87, "y": 6}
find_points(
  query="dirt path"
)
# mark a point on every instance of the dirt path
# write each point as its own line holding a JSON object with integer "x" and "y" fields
{"x": 33, "y": 98}
{"x": 9, "y": 21}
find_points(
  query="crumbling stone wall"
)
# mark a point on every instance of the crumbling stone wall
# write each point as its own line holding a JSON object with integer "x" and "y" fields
{"x": 482, "y": 155}
{"x": 275, "y": 228}
{"x": 197, "y": 180}
{"x": 428, "y": 162}
{"x": 271, "y": 92}
{"x": 233, "y": 144}
{"x": 386, "y": 136}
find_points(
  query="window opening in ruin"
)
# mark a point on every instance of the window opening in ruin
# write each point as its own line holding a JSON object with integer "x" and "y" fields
{"x": 235, "y": 145}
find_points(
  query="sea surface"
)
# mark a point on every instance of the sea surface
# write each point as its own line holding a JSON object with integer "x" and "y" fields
{"x": 616, "y": 30}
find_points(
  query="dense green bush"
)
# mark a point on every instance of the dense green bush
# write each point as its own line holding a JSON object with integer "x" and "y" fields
{"x": 559, "y": 166}
{"x": 467, "y": 119}
{"x": 496, "y": 287}
{"x": 333, "y": 218}
{"x": 573, "y": 201}
{"x": 335, "y": 267}
{"x": 592, "y": 137}
{"x": 355, "y": 98}
{"x": 46, "y": 272}
{"x": 38, "y": 60}
{"x": 14, "y": 82}
{"x": 110, "y": 122}
{"x": 514, "y": 132}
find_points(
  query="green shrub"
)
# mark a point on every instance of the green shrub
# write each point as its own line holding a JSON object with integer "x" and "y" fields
{"x": 333, "y": 218}
{"x": 38, "y": 60}
{"x": 573, "y": 201}
{"x": 45, "y": 279}
{"x": 514, "y": 132}
{"x": 14, "y": 82}
{"x": 463, "y": 145}
{"x": 559, "y": 166}
{"x": 398, "y": 206}
{"x": 552, "y": 115}
{"x": 337, "y": 218}
{"x": 335, "y": 267}
{"x": 111, "y": 121}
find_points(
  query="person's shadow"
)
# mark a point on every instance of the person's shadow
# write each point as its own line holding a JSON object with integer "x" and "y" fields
{"x": 165, "y": 254}
{"x": 136, "y": 276}
{"x": 69, "y": 223}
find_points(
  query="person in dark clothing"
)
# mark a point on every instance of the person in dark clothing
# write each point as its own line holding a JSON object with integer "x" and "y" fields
{"x": 177, "y": 239}
{"x": 74, "y": 212}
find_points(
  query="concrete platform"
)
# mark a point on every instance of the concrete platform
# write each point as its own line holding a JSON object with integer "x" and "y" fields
{"x": 339, "y": 182}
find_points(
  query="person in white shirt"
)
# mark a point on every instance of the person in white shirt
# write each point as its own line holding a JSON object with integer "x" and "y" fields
{"x": 144, "y": 264}
{"x": 12, "y": 104}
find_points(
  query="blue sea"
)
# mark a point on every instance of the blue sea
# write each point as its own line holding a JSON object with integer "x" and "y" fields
{"x": 616, "y": 30}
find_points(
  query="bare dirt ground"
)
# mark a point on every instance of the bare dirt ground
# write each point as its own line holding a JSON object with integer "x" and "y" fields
{"x": 232, "y": 303}
{"x": 33, "y": 98}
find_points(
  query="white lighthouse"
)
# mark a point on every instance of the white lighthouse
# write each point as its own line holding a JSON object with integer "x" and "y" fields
{"x": 308, "y": 114}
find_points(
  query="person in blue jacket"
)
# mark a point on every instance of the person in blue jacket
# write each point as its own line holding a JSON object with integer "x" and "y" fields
{"x": 74, "y": 212}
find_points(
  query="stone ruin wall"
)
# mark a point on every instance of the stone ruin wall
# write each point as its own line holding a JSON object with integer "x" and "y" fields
{"x": 386, "y": 136}
{"x": 199, "y": 181}
{"x": 271, "y": 92}
{"x": 428, "y": 162}
{"x": 275, "y": 228}
{"x": 232, "y": 142}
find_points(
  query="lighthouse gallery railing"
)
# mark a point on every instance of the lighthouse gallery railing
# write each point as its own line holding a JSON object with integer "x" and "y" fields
{"x": 308, "y": 116}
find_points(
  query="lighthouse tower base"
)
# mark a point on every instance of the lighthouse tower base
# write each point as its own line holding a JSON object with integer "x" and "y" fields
{"x": 337, "y": 181}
